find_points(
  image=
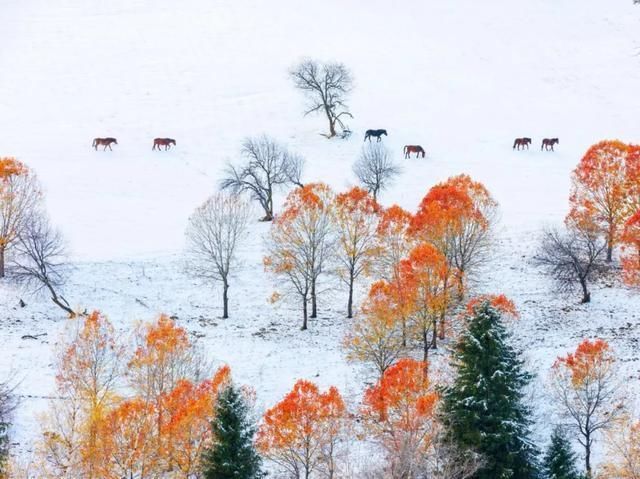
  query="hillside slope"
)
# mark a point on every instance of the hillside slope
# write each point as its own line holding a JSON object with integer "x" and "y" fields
{"x": 461, "y": 78}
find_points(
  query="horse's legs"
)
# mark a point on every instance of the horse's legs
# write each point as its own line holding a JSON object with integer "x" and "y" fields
{"x": 110, "y": 149}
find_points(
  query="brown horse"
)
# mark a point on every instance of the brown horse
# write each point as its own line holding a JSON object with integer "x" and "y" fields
{"x": 166, "y": 142}
{"x": 521, "y": 142}
{"x": 417, "y": 149}
{"x": 104, "y": 141}
{"x": 548, "y": 143}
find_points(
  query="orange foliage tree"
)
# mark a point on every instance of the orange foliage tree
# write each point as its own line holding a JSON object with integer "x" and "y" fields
{"x": 160, "y": 431}
{"x": 356, "y": 217}
{"x": 498, "y": 301}
{"x": 399, "y": 413}
{"x": 127, "y": 448}
{"x": 631, "y": 258}
{"x": 424, "y": 276}
{"x": 88, "y": 372}
{"x": 185, "y": 430}
{"x": 301, "y": 242}
{"x": 605, "y": 189}
{"x": 20, "y": 195}
{"x": 584, "y": 382}
{"x": 623, "y": 444}
{"x": 377, "y": 334}
{"x": 301, "y": 432}
{"x": 393, "y": 241}
{"x": 165, "y": 372}
{"x": 456, "y": 216}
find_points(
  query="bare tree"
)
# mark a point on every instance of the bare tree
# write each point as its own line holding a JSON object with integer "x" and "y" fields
{"x": 295, "y": 167}
{"x": 40, "y": 261}
{"x": 268, "y": 166}
{"x": 19, "y": 196}
{"x": 326, "y": 87}
{"x": 375, "y": 169}
{"x": 213, "y": 234}
{"x": 573, "y": 258}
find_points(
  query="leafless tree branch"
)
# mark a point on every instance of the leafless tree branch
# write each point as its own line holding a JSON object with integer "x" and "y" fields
{"x": 326, "y": 87}
{"x": 375, "y": 169}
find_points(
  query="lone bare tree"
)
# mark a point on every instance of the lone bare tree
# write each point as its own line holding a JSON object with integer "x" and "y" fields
{"x": 572, "y": 258}
{"x": 268, "y": 166}
{"x": 326, "y": 87}
{"x": 40, "y": 261}
{"x": 375, "y": 169}
{"x": 213, "y": 234}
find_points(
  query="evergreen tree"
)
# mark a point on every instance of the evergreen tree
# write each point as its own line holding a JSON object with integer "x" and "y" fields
{"x": 560, "y": 461}
{"x": 4, "y": 447}
{"x": 483, "y": 410}
{"x": 232, "y": 454}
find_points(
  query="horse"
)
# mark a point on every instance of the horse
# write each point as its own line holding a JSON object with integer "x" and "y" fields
{"x": 548, "y": 143}
{"x": 377, "y": 133}
{"x": 104, "y": 141}
{"x": 166, "y": 142}
{"x": 521, "y": 142}
{"x": 417, "y": 149}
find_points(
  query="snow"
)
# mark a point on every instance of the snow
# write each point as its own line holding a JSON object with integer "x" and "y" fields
{"x": 462, "y": 78}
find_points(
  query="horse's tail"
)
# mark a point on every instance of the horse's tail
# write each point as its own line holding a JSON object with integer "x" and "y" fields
{"x": 515, "y": 142}
{"x": 404, "y": 150}
{"x": 95, "y": 141}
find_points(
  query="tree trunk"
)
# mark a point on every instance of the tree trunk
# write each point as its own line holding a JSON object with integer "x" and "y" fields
{"x": 225, "y": 299}
{"x": 314, "y": 310}
{"x": 609, "y": 248}
{"x": 2, "y": 249}
{"x": 434, "y": 338}
{"x": 461, "y": 287}
{"x": 60, "y": 301}
{"x": 425, "y": 345}
{"x": 404, "y": 332}
{"x": 304, "y": 313}
{"x": 587, "y": 456}
{"x": 586, "y": 296}
{"x": 350, "y": 302}
{"x": 332, "y": 122}
{"x": 442, "y": 326}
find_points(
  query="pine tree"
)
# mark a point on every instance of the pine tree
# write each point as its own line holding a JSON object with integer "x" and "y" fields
{"x": 560, "y": 461}
{"x": 232, "y": 454}
{"x": 4, "y": 447}
{"x": 484, "y": 410}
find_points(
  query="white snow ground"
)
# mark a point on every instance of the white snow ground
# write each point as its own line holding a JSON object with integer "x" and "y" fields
{"x": 462, "y": 78}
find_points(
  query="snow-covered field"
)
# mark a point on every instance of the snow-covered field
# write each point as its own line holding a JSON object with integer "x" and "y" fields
{"x": 460, "y": 77}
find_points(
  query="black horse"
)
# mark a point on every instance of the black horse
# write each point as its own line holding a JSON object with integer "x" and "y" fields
{"x": 377, "y": 133}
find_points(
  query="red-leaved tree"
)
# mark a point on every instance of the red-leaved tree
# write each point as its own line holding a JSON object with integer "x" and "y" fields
{"x": 605, "y": 189}
{"x": 301, "y": 432}
{"x": 400, "y": 414}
